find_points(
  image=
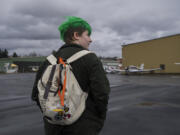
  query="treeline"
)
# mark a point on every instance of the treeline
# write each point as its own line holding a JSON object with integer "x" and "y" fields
{"x": 5, "y": 54}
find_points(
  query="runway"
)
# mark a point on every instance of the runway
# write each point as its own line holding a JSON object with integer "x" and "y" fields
{"x": 138, "y": 105}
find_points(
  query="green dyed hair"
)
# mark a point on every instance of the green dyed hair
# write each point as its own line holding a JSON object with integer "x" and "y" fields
{"x": 73, "y": 22}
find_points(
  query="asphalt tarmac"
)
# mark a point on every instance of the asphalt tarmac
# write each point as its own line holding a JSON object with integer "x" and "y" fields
{"x": 138, "y": 105}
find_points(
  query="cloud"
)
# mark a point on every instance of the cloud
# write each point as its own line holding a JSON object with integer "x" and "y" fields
{"x": 31, "y": 25}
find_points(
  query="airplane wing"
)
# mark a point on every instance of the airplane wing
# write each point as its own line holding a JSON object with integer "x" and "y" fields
{"x": 149, "y": 70}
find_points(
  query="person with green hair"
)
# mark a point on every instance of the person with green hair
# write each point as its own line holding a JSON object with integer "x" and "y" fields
{"x": 88, "y": 71}
{"x": 73, "y": 23}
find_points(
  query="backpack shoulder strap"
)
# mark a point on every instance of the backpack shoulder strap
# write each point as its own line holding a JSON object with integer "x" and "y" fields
{"x": 78, "y": 55}
{"x": 52, "y": 59}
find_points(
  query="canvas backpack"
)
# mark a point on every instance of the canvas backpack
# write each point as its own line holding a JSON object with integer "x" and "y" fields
{"x": 61, "y": 98}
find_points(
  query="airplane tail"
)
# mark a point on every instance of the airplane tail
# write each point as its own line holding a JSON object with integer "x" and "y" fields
{"x": 141, "y": 66}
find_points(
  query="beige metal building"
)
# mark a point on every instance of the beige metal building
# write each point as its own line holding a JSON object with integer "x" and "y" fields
{"x": 163, "y": 51}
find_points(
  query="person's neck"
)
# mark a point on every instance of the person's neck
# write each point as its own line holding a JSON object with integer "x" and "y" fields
{"x": 75, "y": 42}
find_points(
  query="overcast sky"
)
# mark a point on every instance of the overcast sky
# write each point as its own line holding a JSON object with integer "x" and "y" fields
{"x": 32, "y": 25}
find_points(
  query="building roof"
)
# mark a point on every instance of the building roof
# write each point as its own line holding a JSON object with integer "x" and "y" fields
{"x": 152, "y": 39}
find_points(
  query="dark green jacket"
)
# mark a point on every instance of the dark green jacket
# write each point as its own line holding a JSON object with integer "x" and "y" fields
{"x": 90, "y": 74}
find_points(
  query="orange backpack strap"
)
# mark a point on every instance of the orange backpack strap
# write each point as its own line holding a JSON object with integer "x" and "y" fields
{"x": 61, "y": 95}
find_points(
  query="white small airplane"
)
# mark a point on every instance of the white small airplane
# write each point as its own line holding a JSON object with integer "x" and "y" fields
{"x": 35, "y": 68}
{"x": 10, "y": 68}
{"x": 110, "y": 69}
{"x": 133, "y": 69}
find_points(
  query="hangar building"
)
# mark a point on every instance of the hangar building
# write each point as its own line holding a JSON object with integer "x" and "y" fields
{"x": 164, "y": 52}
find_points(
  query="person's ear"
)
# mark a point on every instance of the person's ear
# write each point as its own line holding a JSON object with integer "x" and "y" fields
{"x": 76, "y": 36}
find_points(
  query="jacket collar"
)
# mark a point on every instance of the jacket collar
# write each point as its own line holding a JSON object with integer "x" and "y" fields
{"x": 72, "y": 45}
